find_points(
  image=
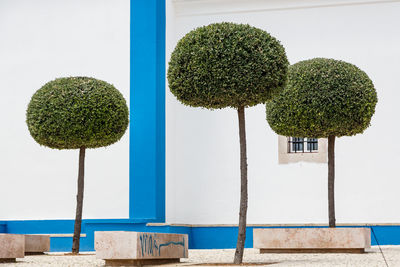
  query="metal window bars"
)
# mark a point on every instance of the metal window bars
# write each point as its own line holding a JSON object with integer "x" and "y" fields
{"x": 302, "y": 145}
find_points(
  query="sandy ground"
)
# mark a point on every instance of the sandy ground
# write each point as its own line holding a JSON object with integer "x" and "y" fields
{"x": 196, "y": 257}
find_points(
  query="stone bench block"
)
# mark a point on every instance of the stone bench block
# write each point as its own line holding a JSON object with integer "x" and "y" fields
{"x": 11, "y": 247}
{"x": 37, "y": 244}
{"x": 312, "y": 240}
{"x": 120, "y": 248}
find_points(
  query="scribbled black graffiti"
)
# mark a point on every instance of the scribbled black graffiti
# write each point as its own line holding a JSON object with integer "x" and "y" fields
{"x": 149, "y": 245}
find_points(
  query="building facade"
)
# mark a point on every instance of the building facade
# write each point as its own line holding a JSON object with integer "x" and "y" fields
{"x": 177, "y": 170}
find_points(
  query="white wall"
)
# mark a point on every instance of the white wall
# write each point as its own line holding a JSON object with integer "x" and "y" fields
{"x": 39, "y": 41}
{"x": 203, "y": 146}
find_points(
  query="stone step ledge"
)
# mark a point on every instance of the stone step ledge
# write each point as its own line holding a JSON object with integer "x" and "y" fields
{"x": 312, "y": 240}
{"x": 123, "y": 248}
{"x": 12, "y": 246}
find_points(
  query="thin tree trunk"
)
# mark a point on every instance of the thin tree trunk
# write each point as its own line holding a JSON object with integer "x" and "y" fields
{"x": 243, "y": 188}
{"x": 79, "y": 202}
{"x": 331, "y": 180}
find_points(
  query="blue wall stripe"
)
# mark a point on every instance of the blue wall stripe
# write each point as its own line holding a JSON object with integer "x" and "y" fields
{"x": 3, "y": 228}
{"x": 199, "y": 237}
{"x": 160, "y": 105}
{"x": 147, "y": 98}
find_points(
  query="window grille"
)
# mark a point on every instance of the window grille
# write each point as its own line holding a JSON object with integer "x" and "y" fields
{"x": 302, "y": 145}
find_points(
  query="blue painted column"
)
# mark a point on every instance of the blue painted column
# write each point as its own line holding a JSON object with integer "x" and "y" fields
{"x": 147, "y": 119}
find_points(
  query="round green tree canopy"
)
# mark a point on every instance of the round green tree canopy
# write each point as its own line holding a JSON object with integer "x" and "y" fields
{"x": 323, "y": 97}
{"x": 74, "y": 112}
{"x": 227, "y": 65}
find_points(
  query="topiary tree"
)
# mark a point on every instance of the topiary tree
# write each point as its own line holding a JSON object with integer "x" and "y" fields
{"x": 228, "y": 65}
{"x": 77, "y": 113}
{"x": 324, "y": 98}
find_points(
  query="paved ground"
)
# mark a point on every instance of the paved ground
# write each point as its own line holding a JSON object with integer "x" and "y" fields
{"x": 370, "y": 259}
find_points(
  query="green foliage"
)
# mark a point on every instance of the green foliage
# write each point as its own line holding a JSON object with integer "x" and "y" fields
{"x": 323, "y": 97}
{"x": 227, "y": 65}
{"x": 74, "y": 112}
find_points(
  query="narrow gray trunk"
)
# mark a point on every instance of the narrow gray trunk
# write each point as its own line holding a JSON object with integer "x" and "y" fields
{"x": 331, "y": 180}
{"x": 79, "y": 202}
{"x": 243, "y": 188}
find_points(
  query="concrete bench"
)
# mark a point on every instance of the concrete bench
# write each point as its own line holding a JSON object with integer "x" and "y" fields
{"x": 312, "y": 240}
{"x": 11, "y": 247}
{"x": 120, "y": 248}
{"x": 37, "y": 244}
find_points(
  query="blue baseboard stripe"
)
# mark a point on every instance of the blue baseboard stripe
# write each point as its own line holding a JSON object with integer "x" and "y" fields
{"x": 200, "y": 237}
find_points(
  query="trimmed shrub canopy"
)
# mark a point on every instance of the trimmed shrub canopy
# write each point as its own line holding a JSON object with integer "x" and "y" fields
{"x": 227, "y": 65}
{"x": 74, "y": 112}
{"x": 323, "y": 97}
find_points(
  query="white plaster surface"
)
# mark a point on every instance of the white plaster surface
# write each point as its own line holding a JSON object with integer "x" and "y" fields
{"x": 304, "y": 238}
{"x": 136, "y": 245}
{"x": 40, "y": 41}
{"x": 45, "y": 39}
{"x": 203, "y": 146}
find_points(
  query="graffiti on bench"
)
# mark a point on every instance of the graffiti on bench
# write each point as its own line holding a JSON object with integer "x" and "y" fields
{"x": 150, "y": 246}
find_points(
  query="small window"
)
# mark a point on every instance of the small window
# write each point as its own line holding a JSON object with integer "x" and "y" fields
{"x": 302, "y": 145}
{"x": 294, "y": 149}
